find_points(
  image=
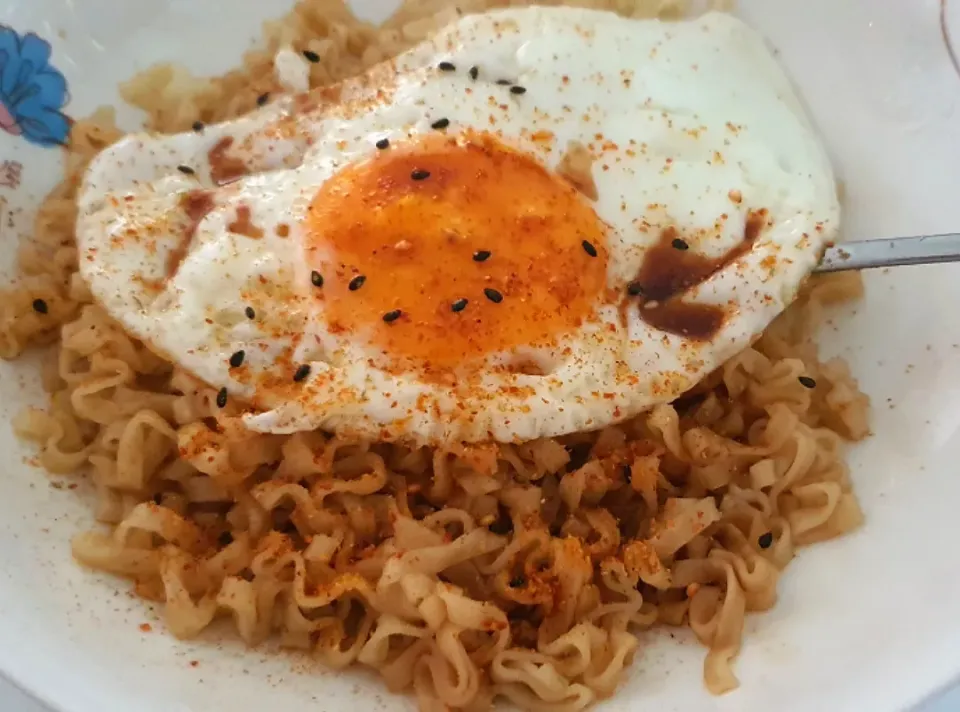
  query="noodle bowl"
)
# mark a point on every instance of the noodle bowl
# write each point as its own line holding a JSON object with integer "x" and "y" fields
{"x": 464, "y": 573}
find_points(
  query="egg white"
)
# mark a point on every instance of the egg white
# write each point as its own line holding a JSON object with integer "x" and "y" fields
{"x": 690, "y": 113}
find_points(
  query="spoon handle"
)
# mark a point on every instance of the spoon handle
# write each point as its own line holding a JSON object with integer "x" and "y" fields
{"x": 866, "y": 254}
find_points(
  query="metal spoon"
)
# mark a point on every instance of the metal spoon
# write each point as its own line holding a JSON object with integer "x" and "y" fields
{"x": 866, "y": 254}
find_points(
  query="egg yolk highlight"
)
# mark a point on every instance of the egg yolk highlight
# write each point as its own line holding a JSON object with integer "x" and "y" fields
{"x": 442, "y": 250}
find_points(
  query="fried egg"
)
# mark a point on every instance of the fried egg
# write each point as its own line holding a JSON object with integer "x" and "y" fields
{"x": 540, "y": 221}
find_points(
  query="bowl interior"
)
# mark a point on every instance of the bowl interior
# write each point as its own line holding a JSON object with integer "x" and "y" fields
{"x": 871, "y": 621}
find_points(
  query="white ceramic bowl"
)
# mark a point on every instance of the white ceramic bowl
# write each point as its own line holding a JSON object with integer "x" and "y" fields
{"x": 868, "y": 622}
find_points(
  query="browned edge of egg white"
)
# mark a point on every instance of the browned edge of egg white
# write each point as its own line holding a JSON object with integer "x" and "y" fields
{"x": 667, "y": 273}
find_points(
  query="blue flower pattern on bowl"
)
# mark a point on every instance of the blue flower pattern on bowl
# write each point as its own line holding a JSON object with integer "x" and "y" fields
{"x": 32, "y": 93}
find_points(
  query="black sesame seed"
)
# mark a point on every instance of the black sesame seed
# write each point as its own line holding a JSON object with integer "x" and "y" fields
{"x": 316, "y": 278}
{"x": 518, "y": 90}
{"x": 481, "y": 255}
{"x": 440, "y": 124}
{"x": 807, "y": 382}
{"x": 225, "y": 539}
{"x": 627, "y": 473}
{"x": 197, "y": 126}
{"x": 589, "y": 248}
{"x": 518, "y": 581}
{"x": 311, "y": 56}
{"x": 236, "y": 359}
{"x": 357, "y": 282}
{"x": 301, "y": 373}
{"x": 474, "y": 72}
{"x": 222, "y": 398}
{"x": 459, "y": 305}
{"x": 420, "y": 174}
{"x": 263, "y": 99}
{"x": 765, "y": 540}
{"x": 504, "y": 82}
{"x": 186, "y": 170}
{"x": 392, "y": 316}
{"x": 249, "y": 312}
{"x": 383, "y": 144}
{"x": 679, "y": 244}
{"x": 493, "y": 295}
{"x": 39, "y": 306}
{"x": 158, "y": 498}
{"x": 447, "y": 67}
{"x": 634, "y": 289}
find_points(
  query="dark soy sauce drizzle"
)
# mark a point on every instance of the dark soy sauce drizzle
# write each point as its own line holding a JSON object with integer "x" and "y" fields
{"x": 668, "y": 272}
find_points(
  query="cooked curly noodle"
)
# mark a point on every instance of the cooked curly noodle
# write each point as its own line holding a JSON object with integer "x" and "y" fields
{"x": 463, "y": 574}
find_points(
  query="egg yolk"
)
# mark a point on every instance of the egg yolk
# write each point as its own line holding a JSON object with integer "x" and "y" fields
{"x": 442, "y": 250}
